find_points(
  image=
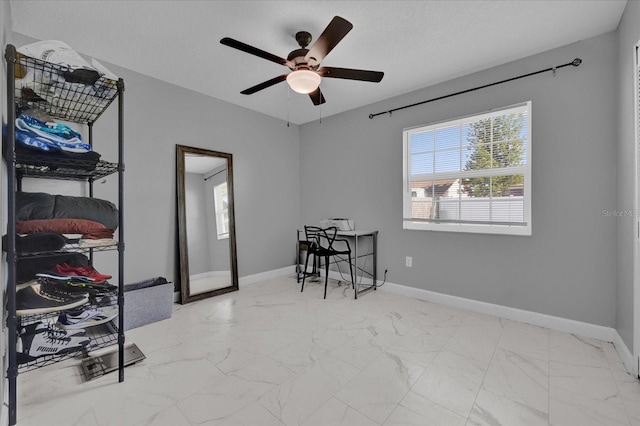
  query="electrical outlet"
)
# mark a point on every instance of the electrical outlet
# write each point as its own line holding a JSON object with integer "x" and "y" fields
{"x": 409, "y": 261}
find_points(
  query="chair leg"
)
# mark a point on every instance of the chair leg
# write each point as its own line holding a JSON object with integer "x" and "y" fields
{"x": 304, "y": 271}
{"x": 353, "y": 282}
{"x": 326, "y": 275}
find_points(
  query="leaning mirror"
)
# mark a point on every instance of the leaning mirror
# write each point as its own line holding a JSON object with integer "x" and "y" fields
{"x": 206, "y": 225}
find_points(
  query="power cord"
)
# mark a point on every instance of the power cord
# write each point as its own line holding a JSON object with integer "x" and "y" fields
{"x": 384, "y": 280}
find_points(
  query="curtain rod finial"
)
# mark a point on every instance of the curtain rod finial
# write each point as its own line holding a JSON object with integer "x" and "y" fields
{"x": 576, "y": 62}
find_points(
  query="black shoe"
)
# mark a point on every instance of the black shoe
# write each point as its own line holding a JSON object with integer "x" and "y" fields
{"x": 42, "y": 299}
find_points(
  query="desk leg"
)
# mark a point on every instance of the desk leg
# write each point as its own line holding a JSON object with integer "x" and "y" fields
{"x": 355, "y": 269}
{"x": 375, "y": 257}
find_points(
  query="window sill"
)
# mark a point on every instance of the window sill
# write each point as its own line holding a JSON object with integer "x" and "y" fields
{"x": 470, "y": 229}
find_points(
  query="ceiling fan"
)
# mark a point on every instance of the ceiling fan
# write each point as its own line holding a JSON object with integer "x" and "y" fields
{"x": 306, "y": 73}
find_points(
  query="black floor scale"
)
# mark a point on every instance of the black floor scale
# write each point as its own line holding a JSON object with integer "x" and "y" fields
{"x": 105, "y": 360}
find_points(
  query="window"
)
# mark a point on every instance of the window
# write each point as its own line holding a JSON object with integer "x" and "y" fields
{"x": 470, "y": 174}
{"x": 222, "y": 210}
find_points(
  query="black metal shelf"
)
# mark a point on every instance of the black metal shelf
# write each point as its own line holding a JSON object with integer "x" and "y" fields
{"x": 69, "y": 248}
{"x": 41, "y": 166}
{"x": 76, "y": 96}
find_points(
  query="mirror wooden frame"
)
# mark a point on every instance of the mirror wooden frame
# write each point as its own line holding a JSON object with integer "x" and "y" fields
{"x": 186, "y": 296}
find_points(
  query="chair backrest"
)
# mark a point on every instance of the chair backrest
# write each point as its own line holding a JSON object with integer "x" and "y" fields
{"x": 323, "y": 237}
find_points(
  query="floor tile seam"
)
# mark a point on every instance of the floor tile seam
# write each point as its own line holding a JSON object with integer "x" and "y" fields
{"x": 424, "y": 367}
{"x": 319, "y": 406}
{"x": 293, "y": 372}
{"x": 516, "y": 402}
{"x": 573, "y": 393}
{"x": 582, "y": 395}
{"x": 430, "y": 401}
{"x": 398, "y": 403}
{"x": 520, "y": 400}
{"x": 600, "y": 367}
{"x": 355, "y": 409}
{"x": 335, "y": 395}
{"x": 622, "y": 398}
{"x": 259, "y": 401}
{"x": 358, "y": 367}
{"x": 154, "y": 415}
{"x": 484, "y": 376}
{"x": 243, "y": 407}
{"x": 268, "y": 412}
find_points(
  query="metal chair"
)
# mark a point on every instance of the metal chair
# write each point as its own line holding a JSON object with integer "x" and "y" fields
{"x": 320, "y": 243}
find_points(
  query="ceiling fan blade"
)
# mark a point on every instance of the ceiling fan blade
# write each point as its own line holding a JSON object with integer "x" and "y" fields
{"x": 264, "y": 85}
{"x": 317, "y": 97}
{"x": 255, "y": 51}
{"x": 351, "y": 74}
{"x": 330, "y": 37}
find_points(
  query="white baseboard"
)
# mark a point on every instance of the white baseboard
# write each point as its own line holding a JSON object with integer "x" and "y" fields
{"x": 267, "y": 275}
{"x": 625, "y": 354}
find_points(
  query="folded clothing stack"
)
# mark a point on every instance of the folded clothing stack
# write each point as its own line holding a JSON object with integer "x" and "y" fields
{"x": 49, "y": 135}
{"x": 40, "y": 205}
{"x": 40, "y": 141}
{"x": 37, "y": 242}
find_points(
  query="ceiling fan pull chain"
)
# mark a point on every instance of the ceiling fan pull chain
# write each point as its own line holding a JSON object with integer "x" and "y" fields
{"x": 320, "y": 108}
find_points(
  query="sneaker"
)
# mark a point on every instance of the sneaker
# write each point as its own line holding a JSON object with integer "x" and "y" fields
{"x": 62, "y": 277}
{"x": 100, "y": 288}
{"x": 88, "y": 318}
{"x": 82, "y": 271}
{"x": 37, "y": 299}
{"x": 40, "y": 327}
{"x": 27, "y": 284}
{"x": 60, "y": 289}
{"x": 32, "y": 346}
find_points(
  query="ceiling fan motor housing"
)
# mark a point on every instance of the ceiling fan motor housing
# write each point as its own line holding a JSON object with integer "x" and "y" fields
{"x": 297, "y": 57}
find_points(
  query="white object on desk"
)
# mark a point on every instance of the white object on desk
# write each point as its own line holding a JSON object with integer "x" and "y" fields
{"x": 341, "y": 224}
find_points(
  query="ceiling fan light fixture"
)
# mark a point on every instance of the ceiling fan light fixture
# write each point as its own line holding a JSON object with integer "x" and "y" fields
{"x": 303, "y": 81}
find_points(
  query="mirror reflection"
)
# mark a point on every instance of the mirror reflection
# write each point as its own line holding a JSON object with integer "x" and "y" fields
{"x": 207, "y": 240}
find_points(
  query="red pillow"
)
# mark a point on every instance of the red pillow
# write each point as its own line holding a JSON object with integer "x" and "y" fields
{"x": 61, "y": 226}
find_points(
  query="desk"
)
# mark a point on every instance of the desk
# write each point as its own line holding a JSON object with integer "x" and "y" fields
{"x": 365, "y": 246}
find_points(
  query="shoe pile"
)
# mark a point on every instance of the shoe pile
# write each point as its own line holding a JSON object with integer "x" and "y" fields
{"x": 40, "y": 339}
{"x": 82, "y": 297}
{"x": 74, "y": 279}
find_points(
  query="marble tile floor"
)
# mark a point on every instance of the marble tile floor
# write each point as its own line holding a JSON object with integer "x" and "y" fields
{"x": 270, "y": 355}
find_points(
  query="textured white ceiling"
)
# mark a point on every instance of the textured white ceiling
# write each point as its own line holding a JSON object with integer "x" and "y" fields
{"x": 415, "y": 43}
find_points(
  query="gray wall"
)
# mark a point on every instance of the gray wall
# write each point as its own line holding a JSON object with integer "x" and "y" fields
{"x": 628, "y": 36}
{"x": 159, "y": 115}
{"x": 351, "y": 166}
